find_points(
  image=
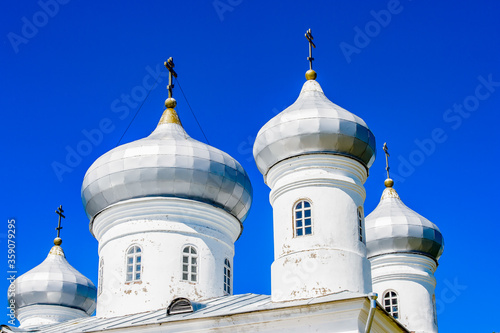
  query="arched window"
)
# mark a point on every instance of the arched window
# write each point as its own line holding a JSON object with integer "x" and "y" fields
{"x": 434, "y": 309}
{"x": 101, "y": 272}
{"x": 189, "y": 264}
{"x": 227, "y": 276}
{"x": 302, "y": 217}
{"x": 360, "y": 224}
{"x": 391, "y": 304}
{"x": 134, "y": 263}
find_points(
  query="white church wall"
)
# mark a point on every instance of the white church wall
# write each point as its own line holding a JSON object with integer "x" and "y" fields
{"x": 332, "y": 258}
{"x": 162, "y": 227}
{"x": 412, "y": 277}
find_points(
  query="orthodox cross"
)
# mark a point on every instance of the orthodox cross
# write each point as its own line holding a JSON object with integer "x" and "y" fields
{"x": 170, "y": 66}
{"x": 386, "y": 151}
{"x": 311, "y": 45}
{"x": 59, "y": 212}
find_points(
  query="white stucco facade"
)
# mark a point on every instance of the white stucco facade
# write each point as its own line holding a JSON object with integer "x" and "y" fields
{"x": 333, "y": 258}
{"x": 411, "y": 276}
{"x": 162, "y": 227}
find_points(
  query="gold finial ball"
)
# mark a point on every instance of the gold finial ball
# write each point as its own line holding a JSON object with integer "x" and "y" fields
{"x": 389, "y": 182}
{"x": 170, "y": 103}
{"x": 311, "y": 75}
{"x": 57, "y": 241}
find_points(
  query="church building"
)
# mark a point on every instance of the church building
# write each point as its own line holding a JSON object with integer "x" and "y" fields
{"x": 167, "y": 209}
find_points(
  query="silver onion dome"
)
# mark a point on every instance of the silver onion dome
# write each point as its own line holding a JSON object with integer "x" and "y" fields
{"x": 394, "y": 228}
{"x": 313, "y": 124}
{"x": 167, "y": 163}
{"x": 55, "y": 282}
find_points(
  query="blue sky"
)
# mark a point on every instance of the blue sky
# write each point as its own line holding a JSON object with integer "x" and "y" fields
{"x": 425, "y": 77}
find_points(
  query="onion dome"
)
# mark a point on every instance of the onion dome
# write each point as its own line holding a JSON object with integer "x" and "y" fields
{"x": 311, "y": 125}
{"x": 394, "y": 228}
{"x": 55, "y": 282}
{"x": 167, "y": 163}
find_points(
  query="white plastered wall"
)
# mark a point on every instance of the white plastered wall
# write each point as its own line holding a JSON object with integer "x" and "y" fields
{"x": 332, "y": 258}
{"x": 412, "y": 277}
{"x": 162, "y": 227}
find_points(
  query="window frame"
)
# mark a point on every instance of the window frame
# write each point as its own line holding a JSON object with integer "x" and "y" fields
{"x": 361, "y": 227}
{"x": 190, "y": 256}
{"x": 434, "y": 309}
{"x": 302, "y": 229}
{"x": 100, "y": 276}
{"x": 388, "y": 296}
{"x": 227, "y": 277}
{"x": 136, "y": 257}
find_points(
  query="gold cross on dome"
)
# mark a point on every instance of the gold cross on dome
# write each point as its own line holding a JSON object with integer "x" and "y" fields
{"x": 386, "y": 151}
{"x": 170, "y": 66}
{"x": 311, "y": 45}
{"x": 59, "y": 212}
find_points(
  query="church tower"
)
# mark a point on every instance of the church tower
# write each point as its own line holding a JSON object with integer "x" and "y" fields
{"x": 166, "y": 211}
{"x": 404, "y": 248}
{"x": 315, "y": 157}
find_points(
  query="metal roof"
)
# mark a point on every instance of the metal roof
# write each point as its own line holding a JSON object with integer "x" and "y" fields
{"x": 313, "y": 125}
{"x": 394, "y": 228}
{"x": 222, "y": 306}
{"x": 167, "y": 163}
{"x": 55, "y": 282}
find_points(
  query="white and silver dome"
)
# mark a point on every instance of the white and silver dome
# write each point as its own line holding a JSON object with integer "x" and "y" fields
{"x": 55, "y": 282}
{"x": 313, "y": 124}
{"x": 167, "y": 163}
{"x": 394, "y": 228}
